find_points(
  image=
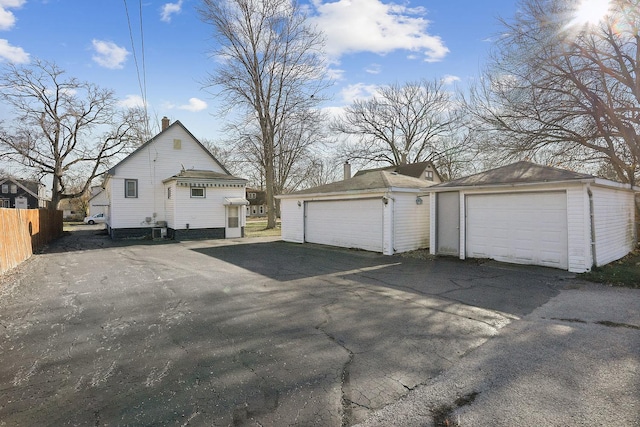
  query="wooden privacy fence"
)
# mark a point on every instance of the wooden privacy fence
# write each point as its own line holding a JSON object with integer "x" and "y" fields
{"x": 25, "y": 231}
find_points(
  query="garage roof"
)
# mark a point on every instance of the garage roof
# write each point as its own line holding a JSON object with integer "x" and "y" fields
{"x": 520, "y": 172}
{"x": 374, "y": 180}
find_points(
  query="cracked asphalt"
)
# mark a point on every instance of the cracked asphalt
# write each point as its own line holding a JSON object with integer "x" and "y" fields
{"x": 242, "y": 332}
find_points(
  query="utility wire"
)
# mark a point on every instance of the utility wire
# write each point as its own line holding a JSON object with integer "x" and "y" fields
{"x": 143, "y": 87}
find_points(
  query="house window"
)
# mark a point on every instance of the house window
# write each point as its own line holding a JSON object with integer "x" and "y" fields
{"x": 131, "y": 188}
{"x": 14, "y": 188}
{"x": 169, "y": 193}
{"x": 261, "y": 209}
{"x": 5, "y": 188}
{"x": 197, "y": 192}
{"x": 5, "y": 203}
{"x": 429, "y": 175}
{"x": 251, "y": 196}
{"x": 177, "y": 144}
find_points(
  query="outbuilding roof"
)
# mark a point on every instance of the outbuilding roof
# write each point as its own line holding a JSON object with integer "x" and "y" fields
{"x": 519, "y": 172}
{"x": 374, "y": 180}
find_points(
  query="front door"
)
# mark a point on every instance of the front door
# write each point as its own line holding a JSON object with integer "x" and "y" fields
{"x": 233, "y": 230}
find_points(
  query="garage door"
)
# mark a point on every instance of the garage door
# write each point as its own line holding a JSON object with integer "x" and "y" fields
{"x": 523, "y": 228}
{"x": 345, "y": 223}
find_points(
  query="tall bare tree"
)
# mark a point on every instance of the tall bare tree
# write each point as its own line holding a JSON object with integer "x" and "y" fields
{"x": 563, "y": 87}
{"x": 269, "y": 67}
{"x": 63, "y": 127}
{"x": 401, "y": 124}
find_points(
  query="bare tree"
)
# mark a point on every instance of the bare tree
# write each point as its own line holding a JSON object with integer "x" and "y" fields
{"x": 63, "y": 128}
{"x": 270, "y": 67}
{"x": 565, "y": 90}
{"x": 401, "y": 124}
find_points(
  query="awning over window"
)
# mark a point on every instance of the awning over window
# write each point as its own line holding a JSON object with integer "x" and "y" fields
{"x": 235, "y": 201}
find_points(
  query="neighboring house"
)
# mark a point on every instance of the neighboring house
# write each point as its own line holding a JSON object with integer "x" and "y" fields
{"x": 380, "y": 211}
{"x": 257, "y": 202}
{"x": 99, "y": 202}
{"x": 21, "y": 194}
{"x": 529, "y": 214}
{"x": 422, "y": 170}
{"x": 72, "y": 209}
{"x": 172, "y": 185}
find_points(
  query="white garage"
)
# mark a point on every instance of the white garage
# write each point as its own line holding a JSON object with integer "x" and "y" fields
{"x": 380, "y": 211}
{"x": 529, "y": 214}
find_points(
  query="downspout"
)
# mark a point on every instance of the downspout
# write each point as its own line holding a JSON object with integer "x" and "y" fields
{"x": 593, "y": 228}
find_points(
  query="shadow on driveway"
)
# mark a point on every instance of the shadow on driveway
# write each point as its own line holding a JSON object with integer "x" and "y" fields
{"x": 512, "y": 289}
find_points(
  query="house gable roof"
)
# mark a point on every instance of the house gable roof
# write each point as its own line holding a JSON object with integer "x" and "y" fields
{"x": 415, "y": 170}
{"x": 516, "y": 173}
{"x": 24, "y": 185}
{"x": 143, "y": 146}
{"x": 373, "y": 180}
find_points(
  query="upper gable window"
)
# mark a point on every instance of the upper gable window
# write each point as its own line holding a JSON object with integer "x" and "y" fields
{"x": 131, "y": 188}
{"x": 429, "y": 175}
{"x": 177, "y": 144}
{"x": 251, "y": 196}
{"x": 14, "y": 188}
{"x": 5, "y": 188}
{"x": 197, "y": 192}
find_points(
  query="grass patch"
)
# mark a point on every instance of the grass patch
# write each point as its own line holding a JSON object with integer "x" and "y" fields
{"x": 624, "y": 272}
{"x": 258, "y": 228}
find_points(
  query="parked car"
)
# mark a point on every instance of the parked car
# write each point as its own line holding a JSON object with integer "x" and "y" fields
{"x": 93, "y": 219}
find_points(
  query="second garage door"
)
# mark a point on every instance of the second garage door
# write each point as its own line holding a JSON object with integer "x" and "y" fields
{"x": 345, "y": 223}
{"x": 523, "y": 228}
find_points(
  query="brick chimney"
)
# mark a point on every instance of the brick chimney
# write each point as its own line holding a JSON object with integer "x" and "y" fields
{"x": 347, "y": 170}
{"x": 165, "y": 123}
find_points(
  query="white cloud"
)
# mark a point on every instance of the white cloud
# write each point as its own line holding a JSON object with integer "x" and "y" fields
{"x": 169, "y": 9}
{"x": 373, "y": 26}
{"x": 449, "y": 79}
{"x": 109, "y": 54}
{"x": 194, "y": 105}
{"x": 335, "y": 73}
{"x": 12, "y": 54}
{"x": 373, "y": 69}
{"x": 7, "y": 19}
{"x": 132, "y": 101}
{"x": 357, "y": 91}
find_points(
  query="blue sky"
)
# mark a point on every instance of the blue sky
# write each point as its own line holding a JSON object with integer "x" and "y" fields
{"x": 370, "y": 43}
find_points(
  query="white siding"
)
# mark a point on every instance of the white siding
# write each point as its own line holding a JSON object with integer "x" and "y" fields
{"x": 614, "y": 213}
{"x": 207, "y": 212}
{"x": 578, "y": 229}
{"x": 170, "y": 204}
{"x": 411, "y": 222}
{"x": 157, "y": 161}
{"x": 292, "y": 217}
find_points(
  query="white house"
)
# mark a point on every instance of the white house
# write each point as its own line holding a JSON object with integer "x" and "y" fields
{"x": 99, "y": 202}
{"x": 173, "y": 186}
{"x": 529, "y": 214}
{"x": 380, "y": 211}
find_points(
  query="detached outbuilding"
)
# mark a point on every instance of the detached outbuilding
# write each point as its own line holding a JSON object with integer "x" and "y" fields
{"x": 529, "y": 214}
{"x": 379, "y": 211}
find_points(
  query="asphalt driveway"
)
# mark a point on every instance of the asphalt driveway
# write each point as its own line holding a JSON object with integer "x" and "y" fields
{"x": 246, "y": 332}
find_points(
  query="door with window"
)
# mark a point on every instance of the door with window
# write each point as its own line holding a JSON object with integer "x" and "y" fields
{"x": 232, "y": 228}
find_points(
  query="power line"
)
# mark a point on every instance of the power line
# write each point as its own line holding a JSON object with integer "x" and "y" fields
{"x": 142, "y": 81}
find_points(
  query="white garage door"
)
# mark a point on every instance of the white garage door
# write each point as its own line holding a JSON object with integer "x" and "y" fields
{"x": 523, "y": 228}
{"x": 345, "y": 223}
